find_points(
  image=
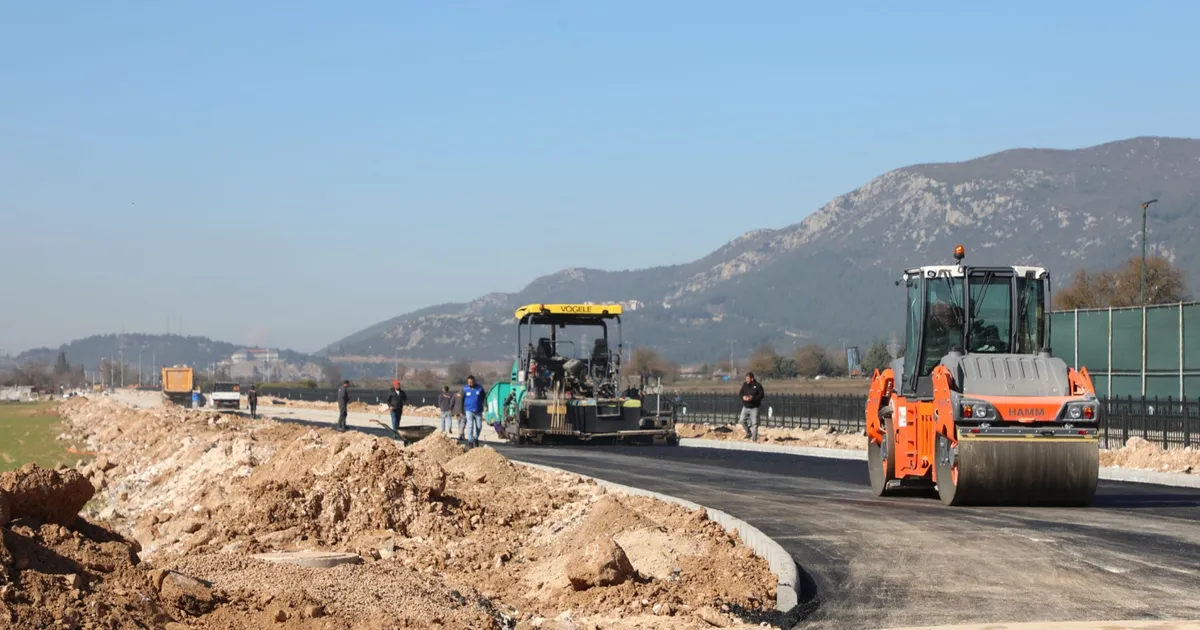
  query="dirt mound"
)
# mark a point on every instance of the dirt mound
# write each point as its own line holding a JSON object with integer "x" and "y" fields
{"x": 1140, "y": 453}
{"x": 460, "y": 540}
{"x": 48, "y": 496}
{"x": 484, "y": 465}
{"x": 825, "y": 437}
{"x": 437, "y": 448}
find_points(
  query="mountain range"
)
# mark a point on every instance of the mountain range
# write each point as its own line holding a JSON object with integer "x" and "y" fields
{"x": 150, "y": 350}
{"x": 829, "y": 277}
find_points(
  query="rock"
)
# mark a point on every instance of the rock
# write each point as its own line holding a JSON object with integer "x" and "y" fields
{"x": 156, "y": 578}
{"x": 501, "y": 560}
{"x": 5, "y": 509}
{"x": 711, "y": 617}
{"x": 48, "y": 496}
{"x": 187, "y": 594}
{"x": 281, "y": 615}
{"x": 312, "y": 611}
{"x": 314, "y": 559}
{"x": 72, "y": 580}
{"x": 599, "y": 563}
{"x": 107, "y": 514}
{"x": 191, "y": 527}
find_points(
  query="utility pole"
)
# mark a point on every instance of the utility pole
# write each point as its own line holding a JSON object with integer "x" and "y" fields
{"x": 121, "y": 352}
{"x": 1145, "y": 205}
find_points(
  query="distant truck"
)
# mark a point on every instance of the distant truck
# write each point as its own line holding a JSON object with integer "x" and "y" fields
{"x": 226, "y": 396}
{"x": 177, "y": 384}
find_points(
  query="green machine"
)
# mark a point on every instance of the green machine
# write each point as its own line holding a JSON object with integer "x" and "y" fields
{"x": 560, "y": 390}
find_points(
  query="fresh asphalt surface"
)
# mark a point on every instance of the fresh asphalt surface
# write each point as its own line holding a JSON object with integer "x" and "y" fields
{"x": 868, "y": 562}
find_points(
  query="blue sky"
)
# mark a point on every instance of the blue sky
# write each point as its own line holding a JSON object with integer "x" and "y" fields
{"x": 287, "y": 173}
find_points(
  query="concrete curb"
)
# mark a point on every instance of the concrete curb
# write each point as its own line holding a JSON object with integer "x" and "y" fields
{"x": 1129, "y": 475}
{"x": 780, "y": 561}
{"x": 1134, "y": 475}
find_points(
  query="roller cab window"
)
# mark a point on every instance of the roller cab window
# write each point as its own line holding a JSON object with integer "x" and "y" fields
{"x": 944, "y": 320}
{"x": 991, "y": 312}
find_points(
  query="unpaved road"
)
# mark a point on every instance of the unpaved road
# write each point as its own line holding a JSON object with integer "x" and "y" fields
{"x": 878, "y": 563}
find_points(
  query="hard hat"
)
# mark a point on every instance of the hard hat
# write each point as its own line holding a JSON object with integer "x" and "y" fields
{"x": 396, "y": 383}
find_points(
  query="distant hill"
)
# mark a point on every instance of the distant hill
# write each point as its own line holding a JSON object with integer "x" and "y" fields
{"x": 830, "y": 276}
{"x": 160, "y": 349}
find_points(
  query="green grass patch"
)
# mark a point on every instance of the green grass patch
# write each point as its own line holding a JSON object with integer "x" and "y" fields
{"x": 27, "y": 434}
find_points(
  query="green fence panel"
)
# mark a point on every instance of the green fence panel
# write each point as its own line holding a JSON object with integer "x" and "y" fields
{"x": 1162, "y": 385}
{"x": 1127, "y": 340}
{"x": 1191, "y": 339}
{"x": 1062, "y": 336}
{"x": 1100, "y": 381}
{"x": 1093, "y": 340}
{"x": 1191, "y": 386}
{"x": 1124, "y": 385}
{"x": 1162, "y": 339}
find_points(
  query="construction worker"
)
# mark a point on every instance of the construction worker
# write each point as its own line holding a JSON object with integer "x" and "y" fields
{"x": 343, "y": 400}
{"x": 473, "y": 396}
{"x": 252, "y": 400}
{"x": 446, "y": 407}
{"x": 196, "y": 398}
{"x": 456, "y": 410}
{"x": 752, "y": 394}
{"x": 396, "y": 400}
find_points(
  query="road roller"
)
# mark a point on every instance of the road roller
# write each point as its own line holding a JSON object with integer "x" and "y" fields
{"x": 977, "y": 407}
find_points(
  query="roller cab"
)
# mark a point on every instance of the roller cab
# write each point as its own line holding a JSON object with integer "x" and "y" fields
{"x": 978, "y": 408}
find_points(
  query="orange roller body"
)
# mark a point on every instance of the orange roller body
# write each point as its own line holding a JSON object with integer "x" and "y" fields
{"x": 978, "y": 407}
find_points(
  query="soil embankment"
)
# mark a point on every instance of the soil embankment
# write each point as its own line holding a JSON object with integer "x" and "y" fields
{"x": 185, "y": 500}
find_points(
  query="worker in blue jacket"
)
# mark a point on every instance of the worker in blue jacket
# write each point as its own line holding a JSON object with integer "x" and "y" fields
{"x": 473, "y": 400}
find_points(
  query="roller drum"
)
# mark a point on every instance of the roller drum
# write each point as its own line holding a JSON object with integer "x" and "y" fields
{"x": 1021, "y": 472}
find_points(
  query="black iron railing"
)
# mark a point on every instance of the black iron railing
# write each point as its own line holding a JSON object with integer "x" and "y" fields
{"x": 1164, "y": 422}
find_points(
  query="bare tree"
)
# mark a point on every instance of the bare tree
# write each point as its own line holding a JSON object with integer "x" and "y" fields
{"x": 1122, "y": 286}
{"x": 764, "y": 361}
{"x": 458, "y": 371}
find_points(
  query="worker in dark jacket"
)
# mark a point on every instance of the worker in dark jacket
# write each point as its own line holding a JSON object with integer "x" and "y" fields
{"x": 343, "y": 400}
{"x": 456, "y": 410}
{"x": 395, "y": 402}
{"x": 752, "y": 394}
{"x": 446, "y": 407}
{"x": 252, "y": 400}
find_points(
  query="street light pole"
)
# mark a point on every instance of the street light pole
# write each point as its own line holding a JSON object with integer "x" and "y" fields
{"x": 1145, "y": 205}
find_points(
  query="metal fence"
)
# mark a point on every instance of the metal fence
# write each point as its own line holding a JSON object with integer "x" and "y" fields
{"x": 1166, "y": 422}
{"x": 791, "y": 411}
{"x": 1151, "y": 351}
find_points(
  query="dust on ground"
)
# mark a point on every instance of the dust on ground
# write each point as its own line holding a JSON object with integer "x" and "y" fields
{"x": 447, "y": 538}
{"x": 824, "y": 437}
